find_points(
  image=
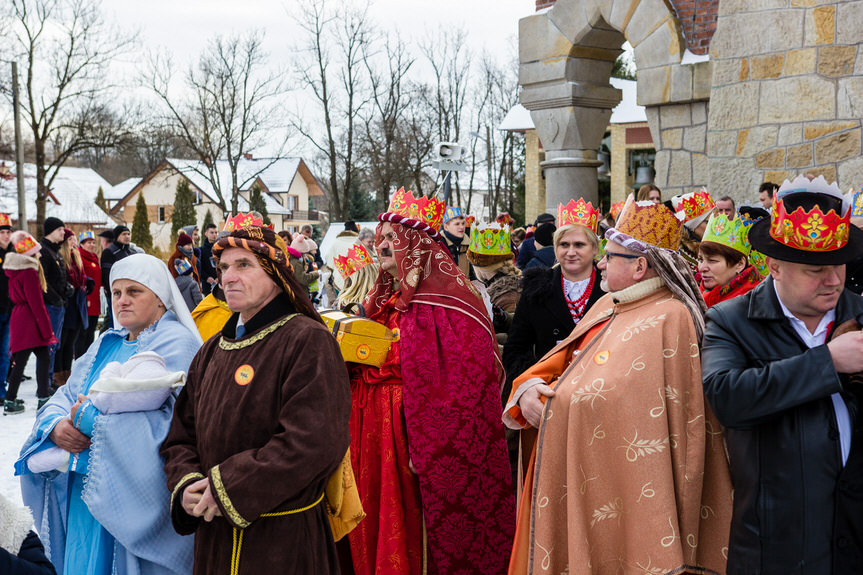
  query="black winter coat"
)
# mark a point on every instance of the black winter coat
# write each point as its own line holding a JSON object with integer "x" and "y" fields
{"x": 796, "y": 509}
{"x": 5, "y": 304}
{"x": 55, "y": 274}
{"x": 541, "y": 320}
{"x": 111, "y": 255}
{"x": 30, "y": 560}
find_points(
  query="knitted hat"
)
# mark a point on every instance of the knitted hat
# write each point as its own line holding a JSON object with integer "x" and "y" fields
{"x": 119, "y": 230}
{"x": 544, "y": 219}
{"x": 300, "y": 244}
{"x": 312, "y": 244}
{"x": 544, "y": 234}
{"x": 107, "y": 234}
{"x": 67, "y": 233}
{"x": 184, "y": 239}
{"x": 51, "y": 224}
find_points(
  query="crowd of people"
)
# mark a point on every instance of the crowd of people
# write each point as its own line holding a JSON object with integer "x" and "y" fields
{"x": 670, "y": 387}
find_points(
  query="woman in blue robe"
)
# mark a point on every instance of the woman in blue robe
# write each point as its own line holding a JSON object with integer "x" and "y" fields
{"x": 109, "y": 512}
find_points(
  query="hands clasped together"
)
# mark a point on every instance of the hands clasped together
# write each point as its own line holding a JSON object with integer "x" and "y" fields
{"x": 198, "y": 500}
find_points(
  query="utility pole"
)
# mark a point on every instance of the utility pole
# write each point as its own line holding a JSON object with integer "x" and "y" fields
{"x": 19, "y": 151}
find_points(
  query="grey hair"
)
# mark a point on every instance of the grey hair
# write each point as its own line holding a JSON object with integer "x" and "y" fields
{"x": 677, "y": 276}
{"x": 366, "y": 233}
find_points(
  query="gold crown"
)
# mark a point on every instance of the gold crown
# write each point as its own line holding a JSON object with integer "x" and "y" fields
{"x": 694, "y": 204}
{"x": 25, "y": 245}
{"x": 650, "y": 223}
{"x": 579, "y": 213}
{"x": 429, "y": 211}
{"x": 5, "y": 221}
{"x": 356, "y": 258}
{"x": 241, "y": 220}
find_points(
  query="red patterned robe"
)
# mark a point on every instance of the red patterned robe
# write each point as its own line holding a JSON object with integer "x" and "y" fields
{"x": 433, "y": 404}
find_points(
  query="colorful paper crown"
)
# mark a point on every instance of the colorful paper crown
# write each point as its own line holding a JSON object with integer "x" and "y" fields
{"x": 759, "y": 262}
{"x": 579, "y": 213}
{"x": 469, "y": 221}
{"x": 182, "y": 266}
{"x": 452, "y": 212}
{"x": 650, "y": 223}
{"x": 811, "y": 231}
{"x": 429, "y": 211}
{"x": 750, "y": 214}
{"x": 490, "y": 240}
{"x": 241, "y": 220}
{"x": 505, "y": 219}
{"x": 25, "y": 245}
{"x": 615, "y": 209}
{"x": 694, "y": 204}
{"x": 86, "y": 235}
{"x": 356, "y": 258}
{"x": 857, "y": 204}
{"x": 5, "y": 222}
{"x": 733, "y": 234}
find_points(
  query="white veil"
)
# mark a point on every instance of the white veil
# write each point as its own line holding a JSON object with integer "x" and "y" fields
{"x": 152, "y": 273}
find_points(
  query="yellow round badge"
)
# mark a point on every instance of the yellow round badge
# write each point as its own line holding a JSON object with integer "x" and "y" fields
{"x": 363, "y": 351}
{"x": 601, "y": 357}
{"x": 244, "y": 374}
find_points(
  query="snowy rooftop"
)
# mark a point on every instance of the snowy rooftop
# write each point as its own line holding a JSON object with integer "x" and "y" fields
{"x": 119, "y": 191}
{"x": 72, "y": 198}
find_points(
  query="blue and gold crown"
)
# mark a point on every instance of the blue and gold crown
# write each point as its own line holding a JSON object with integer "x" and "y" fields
{"x": 452, "y": 212}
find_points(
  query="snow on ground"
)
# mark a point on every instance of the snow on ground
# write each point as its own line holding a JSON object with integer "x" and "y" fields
{"x": 14, "y": 429}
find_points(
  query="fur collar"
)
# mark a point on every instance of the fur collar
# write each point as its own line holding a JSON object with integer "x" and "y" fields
{"x": 501, "y": 284}
{"x": 15, "y": 522}
{"x": 15, "y": 261}
{"x": 538, "y": 283}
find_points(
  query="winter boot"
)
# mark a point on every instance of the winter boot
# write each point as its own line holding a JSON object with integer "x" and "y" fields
{"x": 12, "y": 408}
{"x": 42, "y": 401}
{"x": 60, "y": 378}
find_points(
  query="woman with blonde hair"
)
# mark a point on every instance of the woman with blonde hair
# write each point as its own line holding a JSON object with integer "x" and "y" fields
{"x": 29, "y": 321}
{"x": 76, "y": 318}
{"x": 359, "y": 272}
{"x": 649, "y": 192}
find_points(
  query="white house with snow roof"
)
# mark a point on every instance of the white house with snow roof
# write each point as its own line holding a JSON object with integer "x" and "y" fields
{"x": 286, "y": 186}
{"x": 72, "y": 197}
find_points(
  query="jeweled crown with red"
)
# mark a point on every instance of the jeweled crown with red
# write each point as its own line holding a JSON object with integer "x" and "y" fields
{"x": 5, "y": 221}
{"x": 695, "y": 204}
{"x": 429, "y": 211}
{"x": 356, "y": 259}
{"x": 813, "y": 230}
{"x": 579, "y": 213}
{"x": 616, "y": 208}
{"x": 25, "y": 245}
{"x": 241, "y": 220}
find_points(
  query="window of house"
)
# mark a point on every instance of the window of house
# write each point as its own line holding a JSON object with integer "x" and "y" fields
{"x": 292, "y": 202}
{"x": 161, "y": 214}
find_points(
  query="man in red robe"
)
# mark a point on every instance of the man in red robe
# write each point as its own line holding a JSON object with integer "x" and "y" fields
{"x": 427, "y": 442}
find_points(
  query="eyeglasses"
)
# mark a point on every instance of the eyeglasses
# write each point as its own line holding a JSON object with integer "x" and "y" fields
{"x": 609, "y": 255}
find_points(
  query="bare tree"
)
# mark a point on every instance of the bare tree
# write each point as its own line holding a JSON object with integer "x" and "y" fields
{"x": 230, "y": 108}
{"x": 334, "y": 72}
{"x": 67, "y": 49}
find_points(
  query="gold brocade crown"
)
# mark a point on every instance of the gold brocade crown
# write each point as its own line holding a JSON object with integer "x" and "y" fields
{"x": 695, "y": 204}
{"x": 650, "y": 223}
{"x": 490, "y": 240}
{"x": 356, "y": 258}
{"x": 812, "y": 231}
{"x": 241, "y": 220}
{"x": 579, "y": 213}
{"x": 429, "y": 211}
{"x": 25, "y": 245}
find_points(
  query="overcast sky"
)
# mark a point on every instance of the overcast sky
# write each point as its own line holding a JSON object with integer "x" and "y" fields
{"x": 183, "y": 26}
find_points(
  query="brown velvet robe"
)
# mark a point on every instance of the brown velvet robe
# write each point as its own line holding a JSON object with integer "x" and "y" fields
{"x": 265, "y": 418}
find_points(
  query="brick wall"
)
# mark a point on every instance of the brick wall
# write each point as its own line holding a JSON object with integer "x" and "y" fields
{"x": 698, "y": 18}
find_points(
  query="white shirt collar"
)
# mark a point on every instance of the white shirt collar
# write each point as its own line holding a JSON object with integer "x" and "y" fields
{"x": 811, "y": 339}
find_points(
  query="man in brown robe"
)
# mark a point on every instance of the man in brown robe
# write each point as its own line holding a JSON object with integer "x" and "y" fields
{"x": 261, "y": 423}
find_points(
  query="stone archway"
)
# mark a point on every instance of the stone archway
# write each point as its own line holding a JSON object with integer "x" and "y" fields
{"x": 566, "y": 55}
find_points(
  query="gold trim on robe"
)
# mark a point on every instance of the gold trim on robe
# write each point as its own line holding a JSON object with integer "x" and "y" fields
{"x": 221, "y": 493}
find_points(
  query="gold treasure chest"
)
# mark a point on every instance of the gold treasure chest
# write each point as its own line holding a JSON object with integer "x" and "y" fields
{"x": 361, "y": 340}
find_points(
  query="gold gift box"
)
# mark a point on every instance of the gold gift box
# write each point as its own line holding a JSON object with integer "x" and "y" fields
{"x": 360, "y": 339}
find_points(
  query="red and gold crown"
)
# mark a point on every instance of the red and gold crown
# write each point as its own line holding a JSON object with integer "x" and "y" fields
{"x": 5, "y": 222}
{"x": 505, "y": 219}
{"x": 812, "y": 231}
{"x": 241, "y": 220}
{"x": 429, "y": 211}
{"x": 356, "y": 258}
{"x": 579, "y": 213}
{"x": 650, "y": 223}
{"x": 694, "y": 204}
{"x": 25, "y": 245}
{"x": 615, "y": 209}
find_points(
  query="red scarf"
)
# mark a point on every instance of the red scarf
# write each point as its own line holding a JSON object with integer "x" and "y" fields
{"x": 742, "y": 283}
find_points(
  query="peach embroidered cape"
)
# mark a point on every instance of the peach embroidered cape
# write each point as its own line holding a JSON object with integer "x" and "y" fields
{"x": 629, "y": 473}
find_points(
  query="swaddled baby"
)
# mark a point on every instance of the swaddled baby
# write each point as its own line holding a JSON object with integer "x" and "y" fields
{"x": 143, "y": 383}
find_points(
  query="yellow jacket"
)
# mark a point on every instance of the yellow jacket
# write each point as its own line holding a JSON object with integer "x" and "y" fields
{"x": 210, "y": 316}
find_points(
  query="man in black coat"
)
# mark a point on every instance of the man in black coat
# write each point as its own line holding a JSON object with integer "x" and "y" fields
{"x": 58, "y": 288}
{"x": 5, "y": 304}
{"x": 115, "y": 252}
{"x": 208, "y": 267}
{"x": 774, "y": 368}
